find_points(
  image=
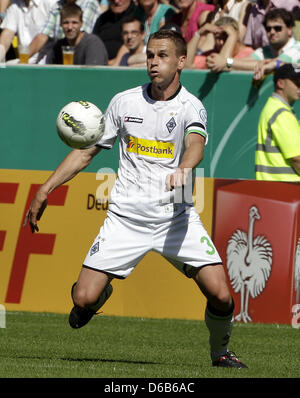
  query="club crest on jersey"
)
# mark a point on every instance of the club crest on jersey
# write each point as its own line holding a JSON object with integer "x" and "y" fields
{"x": 171, "y": 125}
{"x": 203, "y": 115}
{"x": 94, "y": 248}
{"x": 132, "y": 119}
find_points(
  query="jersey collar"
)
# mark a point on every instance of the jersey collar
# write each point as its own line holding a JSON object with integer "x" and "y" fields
{"x": 168, "y": 99}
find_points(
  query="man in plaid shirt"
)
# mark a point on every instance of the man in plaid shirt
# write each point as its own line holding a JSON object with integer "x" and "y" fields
{"x": 52, "y": 28}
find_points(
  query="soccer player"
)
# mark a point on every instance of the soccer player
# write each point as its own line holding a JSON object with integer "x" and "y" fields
{"x": 162, "y": 131}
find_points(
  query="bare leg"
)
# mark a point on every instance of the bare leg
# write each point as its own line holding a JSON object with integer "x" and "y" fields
{"x": 212, "y": 282}
{"x": 89, "y": 286}
{"x": 89, "y": 294}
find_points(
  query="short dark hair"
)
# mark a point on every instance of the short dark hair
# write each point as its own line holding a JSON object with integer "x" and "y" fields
{"x": 70, "y": 9}
{"x": 175, "y": 37}
{"x": 133, "y": 18}
{"x": 281, "y": 13}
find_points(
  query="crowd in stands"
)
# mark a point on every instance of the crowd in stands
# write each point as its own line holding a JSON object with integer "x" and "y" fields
{"x": 221, "y": 35}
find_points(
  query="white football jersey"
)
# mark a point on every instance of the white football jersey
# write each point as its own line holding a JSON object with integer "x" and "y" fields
{"x": 151, "y": 143}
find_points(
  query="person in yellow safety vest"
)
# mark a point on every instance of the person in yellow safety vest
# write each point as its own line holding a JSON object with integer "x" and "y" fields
{"x": 277, "y": 156}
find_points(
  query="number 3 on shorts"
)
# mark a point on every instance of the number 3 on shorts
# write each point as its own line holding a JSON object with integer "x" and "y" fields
{"x": 204, "y": 239}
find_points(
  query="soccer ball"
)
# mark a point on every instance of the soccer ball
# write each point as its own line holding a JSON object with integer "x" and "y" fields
{"x": 80, "y": 124}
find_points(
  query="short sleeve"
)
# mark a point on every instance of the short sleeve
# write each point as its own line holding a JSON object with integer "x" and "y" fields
{"x": 112, "y": 125}
{"x": 196, "y": 119}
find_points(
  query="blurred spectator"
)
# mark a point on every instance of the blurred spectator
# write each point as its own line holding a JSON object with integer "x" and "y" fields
{"x": 268, "y": 65}
{"x": 10, "y": 54}
{"x": 154, "y": 15}
{"x": 109, "y": 27}
{"x": 103, "y": 5}
{"x": 171, "y": 26}
{"x": 192, "y": 14}
{"x": 133, "y": 36}
{"x": 227, "y": 44}
{"x": 283, "y": 46}
{"x": 23, "y": 18}
{"x": 52, "y": 29}
{"x": 89, "y": 48}
{"x": 226, "y": 8}
{"x": 256, "y": 35}
{"x": 3, "y": 7}
{"x": 296, "y": 28}
{"x": 235, "y": 9}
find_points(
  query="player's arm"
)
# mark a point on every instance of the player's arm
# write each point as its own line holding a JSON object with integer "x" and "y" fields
{"x": 74, "y": 162}
{"x": 192, "y": 156}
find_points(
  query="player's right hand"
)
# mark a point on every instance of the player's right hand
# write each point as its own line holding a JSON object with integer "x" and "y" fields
{"x": 35, "y": 211}
{"x": 176, "y": 179}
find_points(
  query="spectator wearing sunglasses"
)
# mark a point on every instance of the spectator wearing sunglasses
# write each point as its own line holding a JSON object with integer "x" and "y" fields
{"x": 282, "y": 45}
{"x": 256, "y": 35}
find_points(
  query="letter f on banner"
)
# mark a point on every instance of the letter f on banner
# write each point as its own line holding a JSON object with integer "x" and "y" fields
{"x": 31, "y": 243}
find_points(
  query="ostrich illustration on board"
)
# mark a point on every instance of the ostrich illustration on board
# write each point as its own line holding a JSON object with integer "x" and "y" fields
{"x": 249, "y": 262}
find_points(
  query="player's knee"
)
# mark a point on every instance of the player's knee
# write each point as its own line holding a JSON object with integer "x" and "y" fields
{"x": 222, "y": 299}
{"x": 84, "y": 297}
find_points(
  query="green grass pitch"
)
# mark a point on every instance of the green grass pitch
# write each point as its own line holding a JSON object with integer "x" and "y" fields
{"x": 42, "y": 345}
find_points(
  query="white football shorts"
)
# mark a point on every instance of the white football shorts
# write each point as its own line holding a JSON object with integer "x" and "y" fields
{"x": 122, "y": 243}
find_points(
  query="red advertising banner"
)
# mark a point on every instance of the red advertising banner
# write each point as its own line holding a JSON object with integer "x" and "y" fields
{"x": 256, "y": 229}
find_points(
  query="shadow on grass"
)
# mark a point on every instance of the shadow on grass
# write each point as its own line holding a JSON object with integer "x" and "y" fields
{"x": 92, "y": 360}
{"x": 109, "y": 360}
